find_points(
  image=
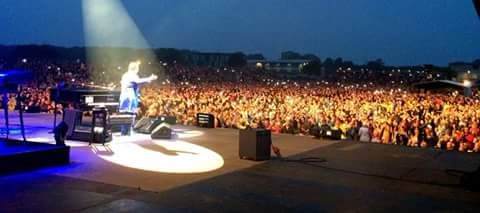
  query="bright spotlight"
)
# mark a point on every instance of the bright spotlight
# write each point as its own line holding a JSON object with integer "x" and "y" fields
{"x": 112, "y": 36}
{"x": 107, "y": 23}
{"x": 167, "y": 156}
{"x": 467, "y": 83}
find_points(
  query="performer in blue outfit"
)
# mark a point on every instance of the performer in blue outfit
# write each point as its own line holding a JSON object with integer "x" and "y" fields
{"x": 130, "y": 92}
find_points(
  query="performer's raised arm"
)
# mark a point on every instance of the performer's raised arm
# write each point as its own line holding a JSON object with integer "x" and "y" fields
{"x": 144, "y": 80}
{"x": 131, "y": 78}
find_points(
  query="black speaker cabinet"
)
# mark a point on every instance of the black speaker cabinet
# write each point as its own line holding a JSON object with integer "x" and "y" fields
{"x": 162, "y": 131}
{"x": 172, "y": 120}
{"x": 121, "y": 120}
{"x": 254, "y": 144}
{"x": 146, "y": 125}
{"x": 72, "y": 118}
{"x": 470, "y": 180}
{"x": 205, "y": 120}
{"x": 334, "y": 134}
{"x": 100, "y": 135}
{"x": 100, "y": 128}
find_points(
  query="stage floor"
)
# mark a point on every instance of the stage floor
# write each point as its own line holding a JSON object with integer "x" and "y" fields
{"x": 200, "y": 170}
{"x": 8, "y": 150}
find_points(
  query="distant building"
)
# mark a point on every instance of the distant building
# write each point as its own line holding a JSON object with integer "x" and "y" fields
{"x": 446, "y": 86}
{"x": 465, "y": 71}
{"x": 284, "y": 66}
{"x": 460, "y": 66}
{"x": 208, "y": 59}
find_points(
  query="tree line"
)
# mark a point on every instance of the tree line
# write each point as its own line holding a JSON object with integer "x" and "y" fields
{"x": 315, "y": 65}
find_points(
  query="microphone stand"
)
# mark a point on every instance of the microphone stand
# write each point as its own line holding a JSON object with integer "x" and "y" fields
{"x": 20, "y": 110}
{"x": 57, "y": 96}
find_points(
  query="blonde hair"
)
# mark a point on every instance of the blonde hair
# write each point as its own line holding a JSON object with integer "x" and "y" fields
{"x": 134, "y": 66}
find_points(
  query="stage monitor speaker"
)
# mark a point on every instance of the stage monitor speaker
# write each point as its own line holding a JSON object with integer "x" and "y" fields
{"x": 140, "y": 124}
{"x": 119, "y": 121}
{"x": 162, "y": 131}
{"x": 470, "y": 180}
{"x": 334, "y": 134}
{"x": 146, "y": 125}
{"x": 205, "y": 120}
{"x": 254, "y": 144}
{"x": 172, "y": 120}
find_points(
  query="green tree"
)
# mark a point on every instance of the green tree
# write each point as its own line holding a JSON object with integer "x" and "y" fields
{"x": 338, "y": 62}
{"x": 256, "y": 56}
{"x": 169, "y": 55}
{"x": 377, "y": 64}
{"x": 348, "y": 64}
{"x": 446, "y": 71}
{"x": 476, "y": 64}
{"x": 312, "y": 57}
{"x": 328, "y": 64}
{"x": 291, "y": 55}
{"x": 313, "y": 68}
{"x": 237, "y": 59}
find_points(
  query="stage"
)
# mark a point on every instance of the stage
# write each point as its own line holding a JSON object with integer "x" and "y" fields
{"x": 200, "y": 170}
{"x": 21, "y": 156}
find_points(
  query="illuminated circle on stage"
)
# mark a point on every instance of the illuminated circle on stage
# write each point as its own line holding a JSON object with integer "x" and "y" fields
{"x": 181, "y": 134}
{"x": 166, "y": 156}
{"x": 76, "y": 143}
{"x": 41, "y": 140}
{"x": 50, "y": 140}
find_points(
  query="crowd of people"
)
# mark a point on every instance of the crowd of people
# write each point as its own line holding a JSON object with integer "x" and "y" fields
{"x": 363, "y": 105}
{"x": 364, "y": 109}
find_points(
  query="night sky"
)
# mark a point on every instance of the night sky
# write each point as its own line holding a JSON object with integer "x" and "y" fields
{"x": 400, "y": 32}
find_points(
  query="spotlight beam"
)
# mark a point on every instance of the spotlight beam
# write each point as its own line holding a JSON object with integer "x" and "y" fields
{"x": 108, "y": 24}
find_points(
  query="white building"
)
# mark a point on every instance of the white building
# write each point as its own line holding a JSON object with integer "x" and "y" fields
{"x": 285, "y": 66}
{"x": 465, "y": 71}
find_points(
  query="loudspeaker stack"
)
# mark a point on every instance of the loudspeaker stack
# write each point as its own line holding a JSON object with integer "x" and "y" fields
{"x": 254, "y": 144}
{"x": 162, "y": 131}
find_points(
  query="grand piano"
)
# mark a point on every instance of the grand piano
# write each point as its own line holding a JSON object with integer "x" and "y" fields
{"x": 86, "y": 97}
{"x": 89, "y": 99}
{"x": 11, "y": 82}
